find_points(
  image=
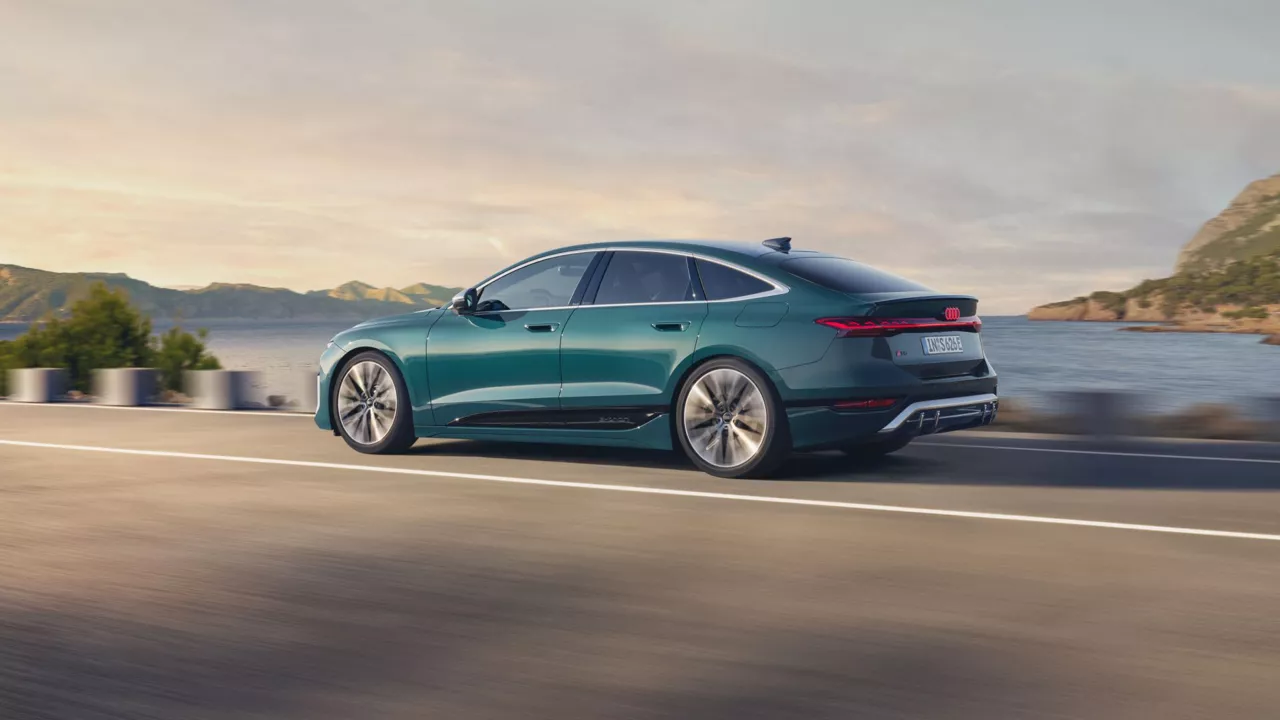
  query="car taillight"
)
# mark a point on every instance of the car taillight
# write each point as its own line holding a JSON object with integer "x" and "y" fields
{"x": 877, "y": 404}
{"x": 884, "y": 327}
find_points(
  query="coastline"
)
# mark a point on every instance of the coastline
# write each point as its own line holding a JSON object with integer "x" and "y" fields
{"x": 1268, "y": 330}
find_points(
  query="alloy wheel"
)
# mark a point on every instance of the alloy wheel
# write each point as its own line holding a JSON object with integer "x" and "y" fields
{"x": 367, "y": 402}
{"x": 725, "y": 418}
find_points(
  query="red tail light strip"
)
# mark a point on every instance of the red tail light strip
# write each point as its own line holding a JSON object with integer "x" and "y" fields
{"x": 877, "y": 404}
{"x": 883, "y": 327}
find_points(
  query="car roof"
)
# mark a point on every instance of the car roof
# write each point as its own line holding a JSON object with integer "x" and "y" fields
{"x": 724, "y": 249}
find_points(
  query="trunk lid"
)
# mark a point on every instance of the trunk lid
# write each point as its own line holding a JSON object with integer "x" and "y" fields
{"x": 934, "y": 351}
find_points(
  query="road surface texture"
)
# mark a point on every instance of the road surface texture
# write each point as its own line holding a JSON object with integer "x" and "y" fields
{"x": 176, "y": 564}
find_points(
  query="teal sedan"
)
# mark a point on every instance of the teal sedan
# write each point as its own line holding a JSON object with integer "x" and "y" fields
{"x": 736, "y": 353}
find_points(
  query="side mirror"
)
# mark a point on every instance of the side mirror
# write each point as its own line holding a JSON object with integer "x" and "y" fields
{"x": 464, "y": 303}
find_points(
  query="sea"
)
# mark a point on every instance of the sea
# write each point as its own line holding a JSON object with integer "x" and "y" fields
{"x": 1035, "y": 360}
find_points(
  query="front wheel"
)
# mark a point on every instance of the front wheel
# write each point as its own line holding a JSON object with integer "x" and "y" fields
{"x": 372, "y": 406}
{"x": 730, "y": 422}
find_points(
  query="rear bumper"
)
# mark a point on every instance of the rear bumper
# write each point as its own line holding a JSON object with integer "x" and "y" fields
{"x": 929, "y": 417}
{"x": 937, "y": 408}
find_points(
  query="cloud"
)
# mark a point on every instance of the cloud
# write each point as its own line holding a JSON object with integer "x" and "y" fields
{"x": 406, "y": 141}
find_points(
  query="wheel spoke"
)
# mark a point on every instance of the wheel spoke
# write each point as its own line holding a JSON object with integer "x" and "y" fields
{"x": 698, "y": 394}
{"x": 737, "y": 389}
{"x": 752, "y": 446}
{"x": 713, "y": 391}
{"x": 377, "y": 424}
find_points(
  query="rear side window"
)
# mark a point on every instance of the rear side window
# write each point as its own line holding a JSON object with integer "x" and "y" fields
{"x": 645, "y": 277}
{"x": 721, "y": 282}
{"x": 847, "y": 276}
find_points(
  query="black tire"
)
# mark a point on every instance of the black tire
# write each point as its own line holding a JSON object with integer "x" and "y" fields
{"x": 775, "y": 443}
{"x": 875, "y": 448}
{"x": 399, "y": 437}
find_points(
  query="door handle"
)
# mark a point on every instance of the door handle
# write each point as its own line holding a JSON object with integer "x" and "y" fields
{"x": 670, "y": 326}
{"x": 543, "y": 327}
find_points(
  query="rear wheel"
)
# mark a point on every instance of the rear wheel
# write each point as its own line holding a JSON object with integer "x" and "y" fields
{"x": 875, "y": 448}
{"x": 729, "y": 420}
{"x": 371, "y": 406}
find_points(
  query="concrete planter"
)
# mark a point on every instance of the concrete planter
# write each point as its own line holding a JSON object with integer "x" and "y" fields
{"x": 301, "y": 395}
{"x": 1269, "y": 414}
{"x": 37, "y": 385}
{"x": 124, "y": 387}
{"x": 1101, "y": 413}
{"x": 308, "y": 389}
{"x": 221, "y": 389}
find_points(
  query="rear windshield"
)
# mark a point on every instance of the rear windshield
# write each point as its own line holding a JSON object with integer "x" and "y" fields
{"x": 847, "y": 276}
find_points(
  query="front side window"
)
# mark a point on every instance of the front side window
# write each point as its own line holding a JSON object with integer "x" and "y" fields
{"x": 847, "y": 276}
{"x": 721, "y": 282}
{"x": 546, "y": 283}
{"x": 645, "y": 277}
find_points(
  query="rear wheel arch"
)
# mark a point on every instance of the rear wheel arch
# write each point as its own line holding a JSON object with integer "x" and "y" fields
{"x": 703, "y": 357}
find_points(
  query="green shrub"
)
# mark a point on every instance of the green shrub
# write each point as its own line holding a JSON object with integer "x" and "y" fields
{"x": 1250, "y": 313}
{"x": 178, "y": 351}
{"x": 104, "y": 331}
{"x": 7, "y": 362}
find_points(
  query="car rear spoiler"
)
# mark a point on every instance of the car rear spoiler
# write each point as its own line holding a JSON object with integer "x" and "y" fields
{"x": 918, "y": 305}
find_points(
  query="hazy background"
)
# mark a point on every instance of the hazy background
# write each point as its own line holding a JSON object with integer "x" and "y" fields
{"x": 999, "y": 148}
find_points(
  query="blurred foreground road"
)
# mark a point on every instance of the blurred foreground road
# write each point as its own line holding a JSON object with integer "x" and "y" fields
{"x": 161, "y": 585}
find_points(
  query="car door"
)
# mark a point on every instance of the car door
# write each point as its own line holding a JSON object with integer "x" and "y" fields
{"x": 501, "y": 364}
{"x": 623, "y": 343}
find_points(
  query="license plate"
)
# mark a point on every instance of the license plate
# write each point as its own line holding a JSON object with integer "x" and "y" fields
{"x": 942, "y": 344}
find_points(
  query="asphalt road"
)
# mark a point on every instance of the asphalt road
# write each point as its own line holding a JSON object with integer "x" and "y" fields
{"x": 169, "y": 565}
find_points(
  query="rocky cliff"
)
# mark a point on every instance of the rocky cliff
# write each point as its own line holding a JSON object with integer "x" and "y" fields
{"x": 1227, "y": 278}
{"x": 1250, "y": 226}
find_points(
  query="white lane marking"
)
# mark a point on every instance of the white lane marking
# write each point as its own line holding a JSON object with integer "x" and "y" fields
{"x": 150, "y": 408}
{"x": 658, "y": 491}
{"x": 1109, "y": 453}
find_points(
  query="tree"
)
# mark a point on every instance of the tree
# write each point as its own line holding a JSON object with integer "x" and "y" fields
{"x": 8, "y": 361}
{"x": 104, "y": 331}
{"x": 178, "y": 351}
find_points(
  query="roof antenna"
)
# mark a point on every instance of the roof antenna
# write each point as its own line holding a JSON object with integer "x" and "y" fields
{"x": 782, "y": 244}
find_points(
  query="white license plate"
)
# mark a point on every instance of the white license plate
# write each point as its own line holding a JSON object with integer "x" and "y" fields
{"x": 942, "y": 344}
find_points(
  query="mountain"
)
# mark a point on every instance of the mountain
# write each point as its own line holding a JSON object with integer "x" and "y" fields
{"x": 356, "y": 290}
{"x": 1227, "y": 278}
{"x": 431, "y": 294}
{"x": 1250, "y": 226}
{"x": 27, "y": 294}
{"x": 419, "y": 294}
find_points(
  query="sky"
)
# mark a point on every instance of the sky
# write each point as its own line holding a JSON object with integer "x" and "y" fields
{"x": 1021, "y": 151}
